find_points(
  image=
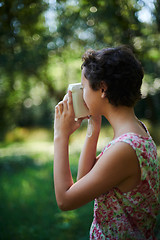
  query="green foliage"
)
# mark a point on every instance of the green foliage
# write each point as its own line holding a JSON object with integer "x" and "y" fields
{"x": 36, "y": 65}
{"x": 22, "y": 37}
{"x": 23, "y": 52}
{"x": 157, "y": 14}
{"x": 98, "y": 23}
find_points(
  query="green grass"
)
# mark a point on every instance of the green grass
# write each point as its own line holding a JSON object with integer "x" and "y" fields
{"x": 28, "y": 208}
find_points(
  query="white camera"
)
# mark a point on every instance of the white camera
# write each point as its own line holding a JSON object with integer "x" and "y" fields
{"x": 80, "y": 109}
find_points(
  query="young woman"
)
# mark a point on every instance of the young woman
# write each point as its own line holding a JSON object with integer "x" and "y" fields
{"x": 124, "y": 178}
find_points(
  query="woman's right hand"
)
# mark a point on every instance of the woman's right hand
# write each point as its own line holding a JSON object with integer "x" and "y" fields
{"x": 65, "y": 124}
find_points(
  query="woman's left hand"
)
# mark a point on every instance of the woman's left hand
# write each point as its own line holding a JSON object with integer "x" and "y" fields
{"x": 64, "y": 122}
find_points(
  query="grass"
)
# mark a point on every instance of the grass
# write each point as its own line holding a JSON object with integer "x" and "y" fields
{"x": 28, "y": 208}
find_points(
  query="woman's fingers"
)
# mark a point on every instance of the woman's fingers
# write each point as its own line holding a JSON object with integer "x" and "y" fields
{"x": 60, "y": 107}
{"x": 65, "y": 97}
{"x": 70, "y": 102}
{"x": 56, "y": 110}
{"x": 65, "y": 105}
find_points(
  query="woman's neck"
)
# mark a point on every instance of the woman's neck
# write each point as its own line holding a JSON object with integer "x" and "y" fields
{"x": 122, "y": 119}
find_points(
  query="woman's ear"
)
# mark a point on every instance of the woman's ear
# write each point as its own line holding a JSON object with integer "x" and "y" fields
{"x": 103, "y": 90}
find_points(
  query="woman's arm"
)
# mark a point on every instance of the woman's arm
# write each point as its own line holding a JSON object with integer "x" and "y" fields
{"x": 88, "y": 154}
{"x": 116, "y": 166}
{"x": 64, "y": 126}
{"x": 62, "y": 174}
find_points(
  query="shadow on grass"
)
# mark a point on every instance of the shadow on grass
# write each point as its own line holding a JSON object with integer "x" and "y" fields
{"x": 28, "y": 208}
{"x": 15, "y": 163}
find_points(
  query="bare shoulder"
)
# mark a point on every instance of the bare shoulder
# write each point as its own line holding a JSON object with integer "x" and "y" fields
{"x": 119, "y": 164}
{"x": 121, "y": 150}
{"x": 120, "y": 156}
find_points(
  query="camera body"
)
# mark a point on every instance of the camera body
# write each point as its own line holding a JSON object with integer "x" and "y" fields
{"x": 80, "y": 109}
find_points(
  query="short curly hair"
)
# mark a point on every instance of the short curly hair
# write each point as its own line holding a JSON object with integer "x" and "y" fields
{"x": 119, "y": 69}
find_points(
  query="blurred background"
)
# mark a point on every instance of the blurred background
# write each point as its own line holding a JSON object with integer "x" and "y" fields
{"x": 41, "y": 45}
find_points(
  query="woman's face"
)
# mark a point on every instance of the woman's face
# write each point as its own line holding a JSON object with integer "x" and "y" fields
{"x": 90, "y": 96}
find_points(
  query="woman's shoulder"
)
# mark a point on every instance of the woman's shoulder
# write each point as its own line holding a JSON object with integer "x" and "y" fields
{"x": 133, "y": 139}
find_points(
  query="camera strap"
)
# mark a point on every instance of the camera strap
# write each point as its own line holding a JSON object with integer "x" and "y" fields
{"x": 90, "y": 127}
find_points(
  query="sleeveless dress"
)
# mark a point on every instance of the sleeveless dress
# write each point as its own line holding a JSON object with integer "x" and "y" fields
{"x": 130, "y": 215}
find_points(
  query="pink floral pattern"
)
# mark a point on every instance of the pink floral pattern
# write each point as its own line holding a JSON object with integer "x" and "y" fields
{"x": 130, "y": 215}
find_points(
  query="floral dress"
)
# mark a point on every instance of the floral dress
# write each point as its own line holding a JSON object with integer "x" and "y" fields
{"x": 130, "y": 215}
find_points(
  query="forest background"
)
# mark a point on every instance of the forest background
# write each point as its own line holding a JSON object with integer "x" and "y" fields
{"x": 41, "y": 45}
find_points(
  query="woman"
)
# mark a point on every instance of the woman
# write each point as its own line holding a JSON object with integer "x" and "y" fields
{"x": 124, "y": 178}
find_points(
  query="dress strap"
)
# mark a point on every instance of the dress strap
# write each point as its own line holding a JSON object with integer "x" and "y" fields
{"x": 145, "y": 128}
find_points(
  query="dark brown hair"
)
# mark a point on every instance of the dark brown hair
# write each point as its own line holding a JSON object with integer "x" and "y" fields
{"x": 119, "y": 70}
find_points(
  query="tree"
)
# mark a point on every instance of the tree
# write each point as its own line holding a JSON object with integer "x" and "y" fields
{"x": 99, "y": 22}
{"x": 23, "y": 52}
{"x": 157, "y": 14}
